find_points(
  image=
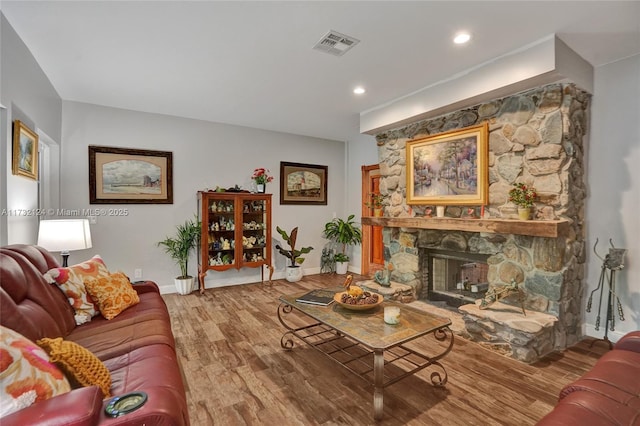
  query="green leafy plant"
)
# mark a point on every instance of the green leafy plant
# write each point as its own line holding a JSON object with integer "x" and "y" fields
{"x": 292, "y": 254}
{"x": 343, "y": 232}
{"x": 179, "y": 246}
{"x": 340, "y": 257}
{"x": 375, "y": 201}
{"x": 523, "y": 195}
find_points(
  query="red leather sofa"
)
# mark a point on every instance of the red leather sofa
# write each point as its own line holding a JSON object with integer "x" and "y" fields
{"x": 609, "y": 394}
{"x": 137, "y": 347}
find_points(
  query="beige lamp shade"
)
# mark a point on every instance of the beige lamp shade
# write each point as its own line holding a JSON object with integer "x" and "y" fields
{"x": 64, "y": 234}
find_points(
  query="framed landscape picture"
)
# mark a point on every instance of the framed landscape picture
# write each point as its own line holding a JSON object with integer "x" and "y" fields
{"x": 25, "y": 151}
{"x": 449, "y": 168}
{"x": 130, "y": 176}
{"x": 303, "y": 183}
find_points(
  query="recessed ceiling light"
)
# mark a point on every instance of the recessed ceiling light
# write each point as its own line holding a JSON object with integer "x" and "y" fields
{"x": 461, "y": 38}
{"x": 359, "y": 90}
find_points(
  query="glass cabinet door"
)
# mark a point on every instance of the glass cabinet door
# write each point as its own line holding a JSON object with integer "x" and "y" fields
{"x": 222, "y": 226}
{"x": 254, "y": 231}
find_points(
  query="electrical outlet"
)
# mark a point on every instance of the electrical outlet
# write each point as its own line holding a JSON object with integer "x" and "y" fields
{"x": 137, "y": 273}
{"x": 92, "y": 220}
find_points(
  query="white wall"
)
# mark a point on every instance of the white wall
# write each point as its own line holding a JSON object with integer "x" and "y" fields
{"x": 205, "y": 155}
{"x": 29, "y": 97}
{"x": 613, "y": 201}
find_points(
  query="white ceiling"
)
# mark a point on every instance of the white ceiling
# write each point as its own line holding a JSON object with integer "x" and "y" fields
{"x": 252, "y": 63}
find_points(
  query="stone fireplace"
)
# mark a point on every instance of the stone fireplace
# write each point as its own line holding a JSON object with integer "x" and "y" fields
{"x": 535, "y": 137}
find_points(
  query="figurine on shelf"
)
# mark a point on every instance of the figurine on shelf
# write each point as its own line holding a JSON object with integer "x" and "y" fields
{"x": 225, "y": 244}
{"x": 214, "y": 207}
{"x": 428, "y": 212}
{"x": 471, "y": 213}
{"x": 216, "y": 261}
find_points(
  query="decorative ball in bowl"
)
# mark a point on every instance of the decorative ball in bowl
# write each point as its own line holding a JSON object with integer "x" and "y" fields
{"x": 362, "y": 302}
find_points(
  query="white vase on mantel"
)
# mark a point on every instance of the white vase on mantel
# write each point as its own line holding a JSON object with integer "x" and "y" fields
{"x": 524, "y": 213}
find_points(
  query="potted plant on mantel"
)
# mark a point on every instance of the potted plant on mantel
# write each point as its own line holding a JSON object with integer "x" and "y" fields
{"x": 376, "y": 204}
{"x": 294, "y": 271}
{"x": 179, "y": 248}
{"x": 343, "y": 232}
{"x": 523, "y": 196}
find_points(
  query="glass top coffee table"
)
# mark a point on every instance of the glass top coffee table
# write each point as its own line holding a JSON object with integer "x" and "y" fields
{"x": 364, "y": 344}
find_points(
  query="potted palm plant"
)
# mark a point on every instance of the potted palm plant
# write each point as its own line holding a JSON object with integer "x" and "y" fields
{"x": 179, "y": 249}
{"x": 344, "y": 233}
{"x": 294, "y": 271}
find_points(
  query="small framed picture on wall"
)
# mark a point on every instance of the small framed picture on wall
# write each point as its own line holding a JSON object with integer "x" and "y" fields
{"x": 303, "y": 183}
{"x": 25, "y": 151}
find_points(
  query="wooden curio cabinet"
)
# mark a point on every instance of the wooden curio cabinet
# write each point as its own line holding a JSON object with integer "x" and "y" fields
{"x": 236, "y": 232}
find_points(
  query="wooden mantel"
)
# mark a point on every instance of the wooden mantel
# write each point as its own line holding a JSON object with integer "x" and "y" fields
{"x": 535, "y": 228}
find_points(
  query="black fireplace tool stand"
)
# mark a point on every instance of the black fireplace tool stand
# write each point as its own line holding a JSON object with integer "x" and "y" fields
{"x": 612, "y": 262}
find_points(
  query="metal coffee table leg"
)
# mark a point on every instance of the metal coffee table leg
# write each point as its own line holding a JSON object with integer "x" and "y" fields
{"x": 378, "y": 383}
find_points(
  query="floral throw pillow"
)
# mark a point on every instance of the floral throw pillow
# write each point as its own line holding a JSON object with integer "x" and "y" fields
{"x": 113, "y": 294}
{"x": 71, "y": 281}
{"x": 26, "y": 374}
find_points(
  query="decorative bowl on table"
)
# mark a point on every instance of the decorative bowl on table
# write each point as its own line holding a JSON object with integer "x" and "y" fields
{"x": 367, "y": 300}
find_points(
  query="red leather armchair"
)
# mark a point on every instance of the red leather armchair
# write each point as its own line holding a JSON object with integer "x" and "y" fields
{"x": 137, "y": 347}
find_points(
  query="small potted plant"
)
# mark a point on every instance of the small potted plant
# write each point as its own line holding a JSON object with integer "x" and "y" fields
{"x": 294, "y": 271}
{"x": 179, "y": 249}
{"x": 343, "y": 232}
{"x": 524, "y": 197}
{"x": 261, "y": 177}
{"x": 375, "y": 203}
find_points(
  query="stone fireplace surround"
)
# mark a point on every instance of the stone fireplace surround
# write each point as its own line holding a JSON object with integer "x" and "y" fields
{"x": 536, "y": 137}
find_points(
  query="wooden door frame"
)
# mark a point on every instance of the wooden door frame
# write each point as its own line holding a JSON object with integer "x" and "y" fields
{"x": 367, "y": 172}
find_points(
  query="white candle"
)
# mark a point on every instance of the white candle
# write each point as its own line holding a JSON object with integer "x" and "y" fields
{"x": 392, "y": 315}
{"x": 440, "y": 211}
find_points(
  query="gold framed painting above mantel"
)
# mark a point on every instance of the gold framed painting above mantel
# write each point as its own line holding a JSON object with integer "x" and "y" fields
{"x": 449, "y": 168}
{"x": 25, "y": 151}
{"x": 130, "y": 176}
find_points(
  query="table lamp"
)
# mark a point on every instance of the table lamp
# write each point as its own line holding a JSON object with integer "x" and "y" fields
{"x": 64, "y": 235}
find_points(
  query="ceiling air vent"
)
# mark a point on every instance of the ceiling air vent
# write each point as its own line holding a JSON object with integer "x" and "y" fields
{"x": 336, "y": 43}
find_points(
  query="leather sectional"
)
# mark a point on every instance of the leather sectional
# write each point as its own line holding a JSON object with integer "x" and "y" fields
{"x": 608, "y": 394}
{"x": 137, "y": 346}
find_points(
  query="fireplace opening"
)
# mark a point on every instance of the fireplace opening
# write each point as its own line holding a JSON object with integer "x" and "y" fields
{"x": 456, "y": 278}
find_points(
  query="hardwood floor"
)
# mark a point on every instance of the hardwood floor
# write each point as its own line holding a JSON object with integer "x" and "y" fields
{"x": 236, "y": 373}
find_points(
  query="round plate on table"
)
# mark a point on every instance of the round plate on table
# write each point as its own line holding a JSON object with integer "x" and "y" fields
{"x": 337, "y": 297}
